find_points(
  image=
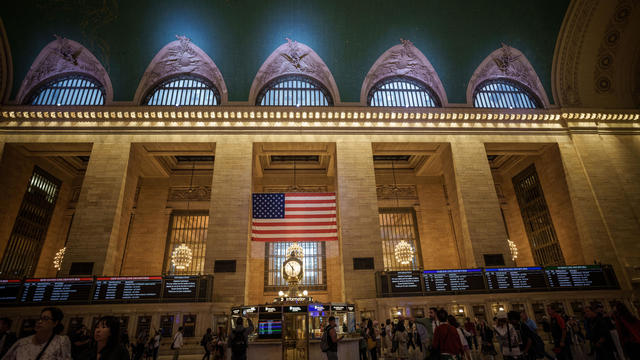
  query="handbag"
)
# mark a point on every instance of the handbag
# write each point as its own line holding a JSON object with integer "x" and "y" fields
{"x": 371, "y": 344}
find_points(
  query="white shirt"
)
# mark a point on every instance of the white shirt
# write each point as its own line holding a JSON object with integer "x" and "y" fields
{"x": 177, "y": 340}
{"x": 25, "y": 349}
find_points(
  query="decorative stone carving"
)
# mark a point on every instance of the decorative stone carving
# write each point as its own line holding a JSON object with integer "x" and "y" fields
{"x": 288, "y": 188}
{"x": 507, "y": 62}
{"x": 293, "y": 58}
{"x": 184, "y": 193}
{"x": 406, "y": 192}
{"x": 403, "y": 60}
{"x": 180, "y": 57}
{"x": 63, "y": 56}
{"x": 604, "y": 70}
{"x": 565, "y": 80}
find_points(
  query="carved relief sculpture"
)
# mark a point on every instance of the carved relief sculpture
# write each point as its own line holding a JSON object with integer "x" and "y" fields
{"x": 293, "y": 58}
{"x": 507, "y": 62}
{"x": 180, "y": 57}
{"x": 403, "y": 60}
{"x": 64, "y": 56}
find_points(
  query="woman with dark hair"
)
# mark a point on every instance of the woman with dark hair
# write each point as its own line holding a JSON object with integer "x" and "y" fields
{"x": 402, "y": 338}
{"x": 371, "y": 340}
{"x": 107, "y": 340}
{"x": 46, "y": 343}
{"x": 628, "y": 327}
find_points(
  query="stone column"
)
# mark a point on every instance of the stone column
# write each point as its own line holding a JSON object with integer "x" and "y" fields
{"x": 229, "y": 218}
{"x": 483, "y": 230}
{"x": 616, "y": 240}
{"x": 1, "y": 149}
{"x": 358, "y": 212}
{"x": 94, "y": 234}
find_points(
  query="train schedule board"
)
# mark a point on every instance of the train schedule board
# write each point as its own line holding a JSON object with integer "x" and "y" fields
{"x": 129, "y": 288}
{"x": 180, "y": 288}
{"x": 10, "y": 290}
{"x": 57, "y": 290}
{"x": 516, "y": 279}
{"x": 576, "y": 277}
{"x": 453, "y": 281}
{"x": 405, "y": 282}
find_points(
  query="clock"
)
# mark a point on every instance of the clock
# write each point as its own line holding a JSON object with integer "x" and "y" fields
{"x": 292, "y": 270}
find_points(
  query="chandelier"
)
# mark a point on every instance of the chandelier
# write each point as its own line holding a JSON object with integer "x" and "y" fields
{"x": 513, "y": 248}
{"x": 403, "y": 252}
{"x": 182, "y": 254}
{"x": 57, "y": 259}
{"x": 295, "y": 250}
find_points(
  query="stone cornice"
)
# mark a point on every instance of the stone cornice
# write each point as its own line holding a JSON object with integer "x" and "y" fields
{"x": 349, "y": 119}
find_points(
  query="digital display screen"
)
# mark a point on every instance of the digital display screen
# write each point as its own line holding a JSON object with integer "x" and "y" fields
{"x": 270, "y": 329}
{"x": 180, "y": 287}
{"x": 518, "y": 278}
{"x": 455, "y": 280}
{"x": 577, "y": 276}
{"x": 405, "y": 282}
{"x": 10, "y": 290}
{"x": 295, "y": 308}
{"x": 57, "y": 290}
{"x": 137, "y": 288}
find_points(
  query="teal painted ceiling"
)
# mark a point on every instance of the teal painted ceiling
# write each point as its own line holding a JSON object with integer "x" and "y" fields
{"x": 349, "y": 35}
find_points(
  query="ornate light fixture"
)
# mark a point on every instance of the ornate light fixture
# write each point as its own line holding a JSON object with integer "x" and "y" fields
{"x": 295, "y": 250}
{"x": 513, "y": 248}
{"x": 57, "y": 259}
{"x": 403, "y": 252}
{"x": 182, "y": 254}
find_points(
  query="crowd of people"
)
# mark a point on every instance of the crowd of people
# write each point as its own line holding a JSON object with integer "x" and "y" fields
{"x": 511, "y": 336}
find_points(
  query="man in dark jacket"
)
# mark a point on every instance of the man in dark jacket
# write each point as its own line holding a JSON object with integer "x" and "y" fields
{"x": 599, "y": 335}
{"x": 239, "y": 339}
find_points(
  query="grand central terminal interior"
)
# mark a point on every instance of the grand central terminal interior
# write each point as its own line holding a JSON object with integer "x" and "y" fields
{"x": 182, "y": 165}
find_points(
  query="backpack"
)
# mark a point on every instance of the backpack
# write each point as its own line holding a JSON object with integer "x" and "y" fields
{"x": 203, "y": 342}
{"x": 324, "y": 341}
{"x": 238, "y": 343}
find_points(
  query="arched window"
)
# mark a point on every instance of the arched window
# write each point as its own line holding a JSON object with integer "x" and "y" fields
{"x": 184, "y": 90}
{"x": 399, "y": 91}
{"x": 504, "y": 94}
{"x": 294, "y": 90}
{"x": 74, "y": 89}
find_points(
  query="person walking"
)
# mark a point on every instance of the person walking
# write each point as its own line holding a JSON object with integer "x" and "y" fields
{"x": 177, "y": 343}
{"x": 206, "y": 343}
{"x": 332, "y": 339}
{"x": 470, "y": 327}
{"x": 239, "y": 339}
{"x": 602, "y": 346}
{"x": 487, "y": 350}
{"x": 402, "y": 338}
{"x": 46, "y": 343}
{"x": 446, "y": 342}
{"x": 155, "y": 344}
{"x": 372, "y": 345}
{"x": 508, "y": 337}
{"x": 388, "y": 338}
{"x": 219, "y": 340}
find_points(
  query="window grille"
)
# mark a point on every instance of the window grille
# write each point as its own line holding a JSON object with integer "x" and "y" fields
{"x": 315, "y": 262}
{"x": 402, "y": 92}
{"x": 30, "y": 228}
{"x": 294, "y": 90}
{"x": 397, "y": 224}
{"x": 537, "y": 219}
{"x": 504, "y": 94}
{"x": 184, "y": 91}
{"x": 190, "y": 228}
{"x": 69, "y": 90}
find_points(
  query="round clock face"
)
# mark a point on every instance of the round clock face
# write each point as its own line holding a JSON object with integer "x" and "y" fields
{"x": 292, "y": 269}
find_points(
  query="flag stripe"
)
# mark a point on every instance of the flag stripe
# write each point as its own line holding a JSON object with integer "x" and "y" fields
{"x": 294, "y": 217}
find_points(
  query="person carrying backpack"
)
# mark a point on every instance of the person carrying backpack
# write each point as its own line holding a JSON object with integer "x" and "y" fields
{"x": 206, "y": 344}
{"x": 239, "y": 340}
{"x": 330, "y": 339}
{"x": 177, "y": 343}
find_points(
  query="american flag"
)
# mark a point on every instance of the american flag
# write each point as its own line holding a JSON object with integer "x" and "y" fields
{"x": 294, "y": 217}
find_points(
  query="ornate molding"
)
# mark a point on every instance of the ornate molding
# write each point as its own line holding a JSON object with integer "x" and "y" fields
{"x": 507, "y": 62}
{"x": 180, "y": 56}
{"x": 288, "y": 188}
{"x": 405, "y": 192}
{"x": 565, "y": 79}
{"x": 604, "y": 69}
{"x": 63, "y": 56}
{"x": 294, "y": 58}
{"x": 184, "y": 193}
{"x": 403, "y": 60}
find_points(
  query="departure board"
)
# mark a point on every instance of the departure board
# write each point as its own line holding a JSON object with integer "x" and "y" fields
{"x": 180, "y": 288}
{"x": 57, "y": 290}
{"x": 463, "y": 280}
{"x": 10, "y": 290}
{"x": 577, "y": 276}
{"x": 405, "y": 282}
{"x": 517, "y": 278}
{"x": 134, "y": 288}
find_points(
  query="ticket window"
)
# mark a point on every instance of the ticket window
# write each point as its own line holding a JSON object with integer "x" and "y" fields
{"x": 518, "y": 307}
{"x": 560, "y": 306}
{"x": 143, "y": 325}
{"x": 498, "y": 307}
{"x": 578, "y": 309}
{"x": 417, "y": 312}
{"x": 460, "y": 313}
{"x": 318, "y": 319}
{"x": 539, "y": 312}
{"x": 479, "y": 312}
{"x": 166, "y": 325}
{"x": 295, "y": 344}
{"x": 189, "y": 325}
{"x": 396, "y": 312}
{"x": 221, "y": 322}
